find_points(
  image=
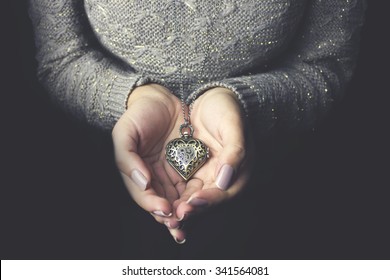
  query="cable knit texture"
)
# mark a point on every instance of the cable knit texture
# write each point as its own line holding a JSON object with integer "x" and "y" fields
{"x": 286, "y": 60}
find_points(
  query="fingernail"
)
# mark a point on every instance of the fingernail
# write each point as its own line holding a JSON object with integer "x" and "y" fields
{"x": 182, "y": 217}
{"x": 179, "y": 241}
{"x": 197, "y": 202}
{"x": 139, "y": 179}
{"x": 161, "y": 214}
{"x": 224, "y": 177}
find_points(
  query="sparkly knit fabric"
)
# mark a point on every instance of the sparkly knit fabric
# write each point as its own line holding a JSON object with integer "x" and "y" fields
{"x": 287, "y": 61}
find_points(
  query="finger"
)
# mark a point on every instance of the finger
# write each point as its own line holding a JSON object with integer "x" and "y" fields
{"x": 174, "y": 228}
{"x": 125, "y": 139}
{"x": 232, "y": 155}
{"x": 181, "y": 187}
{"x": 229, "y": 163}
{"x": 183, "y": 209}
{"x": 148, "y": 199}
{"x": 208, "y": 197}
{"x": 211, "y": 195}
{"x": 169, "y": 222}
{"x": 172, "y": 223}
{"x": 200, "y": 201}
{"x": 170, "y": 191}
{"x": 178, "y": 235}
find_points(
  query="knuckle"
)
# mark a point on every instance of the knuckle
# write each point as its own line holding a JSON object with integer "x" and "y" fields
{"x": 239, "y": 152}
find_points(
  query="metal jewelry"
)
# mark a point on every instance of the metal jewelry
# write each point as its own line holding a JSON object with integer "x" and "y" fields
{"x": 186, "y": 154}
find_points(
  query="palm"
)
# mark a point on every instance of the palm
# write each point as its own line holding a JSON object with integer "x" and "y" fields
{"x": 139, "y": 137}
{"x": 155, "y": 127}
{"x": 221, "y": 129}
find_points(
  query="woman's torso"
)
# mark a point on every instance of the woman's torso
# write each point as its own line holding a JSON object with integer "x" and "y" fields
{"x": 195, "y": 39}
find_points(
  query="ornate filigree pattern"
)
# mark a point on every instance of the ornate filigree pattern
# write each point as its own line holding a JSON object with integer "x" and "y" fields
{"x": 186, "y": 155}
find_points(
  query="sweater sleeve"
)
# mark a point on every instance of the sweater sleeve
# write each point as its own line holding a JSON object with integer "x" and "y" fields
{"x": 90, "y": 84}
{"x": 299, "y": 87}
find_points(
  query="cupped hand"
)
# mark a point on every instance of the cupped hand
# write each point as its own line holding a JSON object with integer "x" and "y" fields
{"x": 152, "y": 119}
{"x": 218, "y": 121}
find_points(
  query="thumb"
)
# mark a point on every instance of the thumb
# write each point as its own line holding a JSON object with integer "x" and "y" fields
{"x": 230, "y": 161}
{"x": 231, "y": 156}
{"x": 126, "y": 138}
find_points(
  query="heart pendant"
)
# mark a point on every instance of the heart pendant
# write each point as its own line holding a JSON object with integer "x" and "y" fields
{"x": 186, "y": 155}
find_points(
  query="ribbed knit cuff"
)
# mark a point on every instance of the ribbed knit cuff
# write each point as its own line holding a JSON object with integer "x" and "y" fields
{"x": 118, "y": 96}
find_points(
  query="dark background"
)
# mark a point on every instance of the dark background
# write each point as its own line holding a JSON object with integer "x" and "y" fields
{"x": 61, "y": 196}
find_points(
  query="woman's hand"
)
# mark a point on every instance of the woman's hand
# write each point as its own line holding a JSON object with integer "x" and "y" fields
{"x": 218, "y": 122}
{"x": 153, "y": 119}
{"x": 140, "y": 136}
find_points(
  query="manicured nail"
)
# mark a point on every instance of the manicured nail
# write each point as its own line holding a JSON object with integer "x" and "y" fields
{"x": 179, "y": 241}
{"x": 161, "y": 214}
{"x": 182, "y": 217}
{"x": 139, "y": 179}
{"x": 224, "y": 177}
{"x": 197, "y": 202}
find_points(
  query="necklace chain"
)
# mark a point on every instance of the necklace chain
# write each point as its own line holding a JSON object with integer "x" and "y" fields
{"x": 187, "y": 117}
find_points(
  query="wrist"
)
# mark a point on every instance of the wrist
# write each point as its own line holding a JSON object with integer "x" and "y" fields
{"x": 154, "y": 94}
{"x": 216, "y": 95}
{"x": 145, "y": 91}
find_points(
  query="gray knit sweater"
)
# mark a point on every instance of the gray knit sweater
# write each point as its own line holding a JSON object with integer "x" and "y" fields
{"x": 286, "y": 60}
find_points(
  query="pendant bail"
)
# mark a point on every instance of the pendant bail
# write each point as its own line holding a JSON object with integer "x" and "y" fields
{"x": 184, "y": 130}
